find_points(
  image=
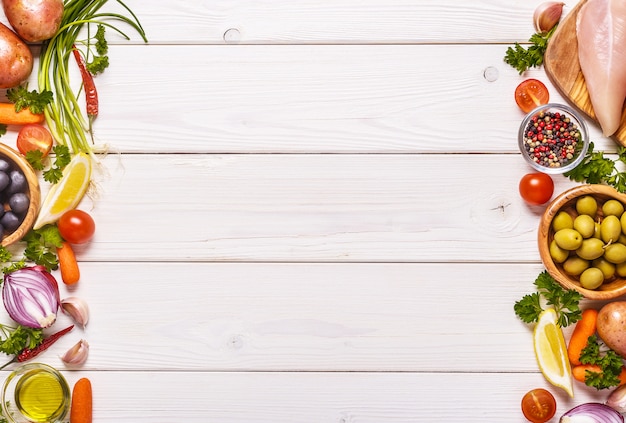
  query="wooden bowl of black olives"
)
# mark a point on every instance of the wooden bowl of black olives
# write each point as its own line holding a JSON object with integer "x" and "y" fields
{"x": 20, "y": 195}
{"x": 582, "y": 241}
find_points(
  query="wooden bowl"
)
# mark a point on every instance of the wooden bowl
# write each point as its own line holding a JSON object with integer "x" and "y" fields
{"x": 611, "y": 288}
{"x": 33, "y": 193}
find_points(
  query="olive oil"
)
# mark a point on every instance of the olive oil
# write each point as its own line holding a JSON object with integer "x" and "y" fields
{"x": 39, "y": 396}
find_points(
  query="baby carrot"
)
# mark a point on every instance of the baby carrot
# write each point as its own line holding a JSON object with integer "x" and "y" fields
{"x": 585, "y": 327}
{"x": 8, "y": 115}
{"x": 81, "y": 410}
{"x": 70, "y": 273}
{"x": 579, "y": 372}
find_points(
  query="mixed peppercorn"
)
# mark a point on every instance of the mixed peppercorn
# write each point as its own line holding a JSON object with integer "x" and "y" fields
{"x": 552, "y": 139}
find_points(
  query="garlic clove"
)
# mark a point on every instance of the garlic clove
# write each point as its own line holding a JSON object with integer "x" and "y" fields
{"x": 547, "y": 15}
{"x": 617, "y": 399}
{"x": 77, "y": 354}
{"x": 77, "y": 309}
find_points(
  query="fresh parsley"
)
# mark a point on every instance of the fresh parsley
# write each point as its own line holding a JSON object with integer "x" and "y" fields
{"x": 549, "y": 292}
{"x": 14, "y": 339}
{"x": 596, "y": 168}
{"x": 100, "y": 60}
{"x": 524, "y": 58}
{"x": 41, "y": 246}
{"x": 33, "y": 100}
{"x": 609, "y": 362}
{"x": 54, "y": 173}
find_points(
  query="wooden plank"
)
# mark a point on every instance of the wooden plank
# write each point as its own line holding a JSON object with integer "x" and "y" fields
{"x": 344, "y": 21}
{"x": 295, "y": 208}
{"x": 208, "y": 317}
{"x": 169, "y": 397}
{"x": 307, "y": 99}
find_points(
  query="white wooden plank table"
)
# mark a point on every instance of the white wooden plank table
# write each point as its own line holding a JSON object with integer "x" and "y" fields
{"x": 309, "y": 213}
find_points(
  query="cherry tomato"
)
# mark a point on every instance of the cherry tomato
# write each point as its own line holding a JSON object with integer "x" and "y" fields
{"x": 76, "y": 226}
{"x": 536, "y": 188}
{"x": 34, "y": 137}
{"x": 531, "y": 93}
{"x": 538, "y": 405}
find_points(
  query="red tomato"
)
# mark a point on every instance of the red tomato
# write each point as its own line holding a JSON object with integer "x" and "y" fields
{"x": 538, "y": 405}
{"x": 76, "y": 226}
{"x": 536, "y": 188}
{"x": 530, "y": 94}
{"x": 34, "y": 137}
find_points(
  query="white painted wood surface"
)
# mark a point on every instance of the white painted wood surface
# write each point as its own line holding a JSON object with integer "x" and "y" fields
{"x": 312, "y": 217}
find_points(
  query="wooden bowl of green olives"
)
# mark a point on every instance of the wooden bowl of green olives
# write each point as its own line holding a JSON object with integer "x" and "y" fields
{"x": 582, "y": 241}
{"x": 20, "y": 196}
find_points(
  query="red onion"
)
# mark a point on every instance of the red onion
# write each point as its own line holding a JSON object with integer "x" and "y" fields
{"x": 31, "y": 296}
{"x": 592, "y": 412}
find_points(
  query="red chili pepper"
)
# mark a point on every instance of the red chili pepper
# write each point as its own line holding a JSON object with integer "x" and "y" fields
{"x": 91, "y": 94}
{"x": 27, "y": 353}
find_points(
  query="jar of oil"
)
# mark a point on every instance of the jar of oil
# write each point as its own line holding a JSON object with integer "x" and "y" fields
{"x": 35, "y": 393}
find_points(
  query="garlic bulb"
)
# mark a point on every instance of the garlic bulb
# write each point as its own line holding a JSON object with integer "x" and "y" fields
{"x": 77, "y": 354}
{"x": 77, "y": 309}
{"x": 547, "y": 15}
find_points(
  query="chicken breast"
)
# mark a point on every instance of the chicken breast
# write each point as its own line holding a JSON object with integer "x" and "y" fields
{"x": 601, "y": 34}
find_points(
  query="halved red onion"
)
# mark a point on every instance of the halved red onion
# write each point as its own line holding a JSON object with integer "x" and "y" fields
{"x": 592, "y": 412}
{"x": 31, "y": 296}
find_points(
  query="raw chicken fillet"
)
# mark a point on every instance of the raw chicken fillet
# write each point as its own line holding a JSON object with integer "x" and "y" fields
{"x": 601, "y": 33}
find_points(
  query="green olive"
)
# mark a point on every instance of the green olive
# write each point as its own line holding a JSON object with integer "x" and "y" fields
{"x": 612, "y": 207}
{"x": 591, "y": 278}
{"x": 590, "y": 249}
{"x": 562, "y": 220}
{"x": 610, "y": 229}
{"x": 615, "y": 253}
{"x": 596, "y": 232}
{"x": 622, "y": 220}
{"x": 607, "y": 267}
{"x": 568, "y": 239}
{"x": 558, "y": 254}
{"x": 585, "y": 225}
{"x": 620, "y": 269}
{"x": 575, "y": 265}
{"x": 587, "y": 205}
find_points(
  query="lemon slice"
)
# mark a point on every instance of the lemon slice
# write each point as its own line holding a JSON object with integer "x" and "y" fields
{"x": 551, "y": 351}
{"x": 67, "y": 193}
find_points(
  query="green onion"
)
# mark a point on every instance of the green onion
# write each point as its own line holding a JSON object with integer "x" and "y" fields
{"x": 64, "y": 115}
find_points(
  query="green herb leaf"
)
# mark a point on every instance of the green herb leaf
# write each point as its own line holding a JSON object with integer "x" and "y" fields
{"x": 41, "y": 246}
{"x": 524, "y": 58}
{"x": 3, "y": 130}
{"x": 598, "y": 169}
{"x": 24, "y": 99}
{"x": 35, "y": 158}
{"x": 62, "y": 159}
{"x": 564, "y": 301}
{"x": 610, "y": 363}
{"x": 15, "y": 339}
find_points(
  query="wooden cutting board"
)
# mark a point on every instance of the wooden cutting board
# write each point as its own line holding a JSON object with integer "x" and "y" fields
{"x": 563, "y": 69}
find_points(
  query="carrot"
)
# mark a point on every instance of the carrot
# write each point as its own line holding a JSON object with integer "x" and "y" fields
{"x": 70, "y": 273}
{"x": 81, "y": 410}
{"x": 585, "y": 327}
{"x": 579, "y": 372}
{"x": 8, "y": 115}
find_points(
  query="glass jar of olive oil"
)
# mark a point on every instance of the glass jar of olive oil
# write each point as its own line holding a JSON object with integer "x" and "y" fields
{"x": 35, "y": 393}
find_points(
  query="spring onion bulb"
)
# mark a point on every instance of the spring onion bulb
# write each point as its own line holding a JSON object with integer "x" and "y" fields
{"x": 31, "y": 296}
{"x": 592, "y": 412}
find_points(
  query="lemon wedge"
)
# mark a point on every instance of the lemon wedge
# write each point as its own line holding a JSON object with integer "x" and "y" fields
{"x": 67, "y": 193}
{"x": 551, "y": 351}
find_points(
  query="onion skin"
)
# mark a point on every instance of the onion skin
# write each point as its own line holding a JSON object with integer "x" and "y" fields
{"x": 31, "y": 297}
{"x": 592, "y": 412}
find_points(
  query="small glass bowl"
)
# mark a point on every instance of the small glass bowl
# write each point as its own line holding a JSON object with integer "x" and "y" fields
{"x": 570, "y": 154}
{"x": 35, "y": 393}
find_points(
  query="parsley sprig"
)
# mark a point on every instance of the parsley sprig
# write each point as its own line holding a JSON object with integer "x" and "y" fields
{"x": 33, "y": 100}
{"x": 13, "y": 339}
{"x": 41, "y": 246}
{"x": 564, "y": 301}
{"x": 54, "y": 173}
{"x": 524, "y": 58}
{"x": 609, "y": 361}
{"x": 596, "y": 168}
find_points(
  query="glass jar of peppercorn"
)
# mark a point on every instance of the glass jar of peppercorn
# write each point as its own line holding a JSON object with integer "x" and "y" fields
{"x": 553, "y": 138}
